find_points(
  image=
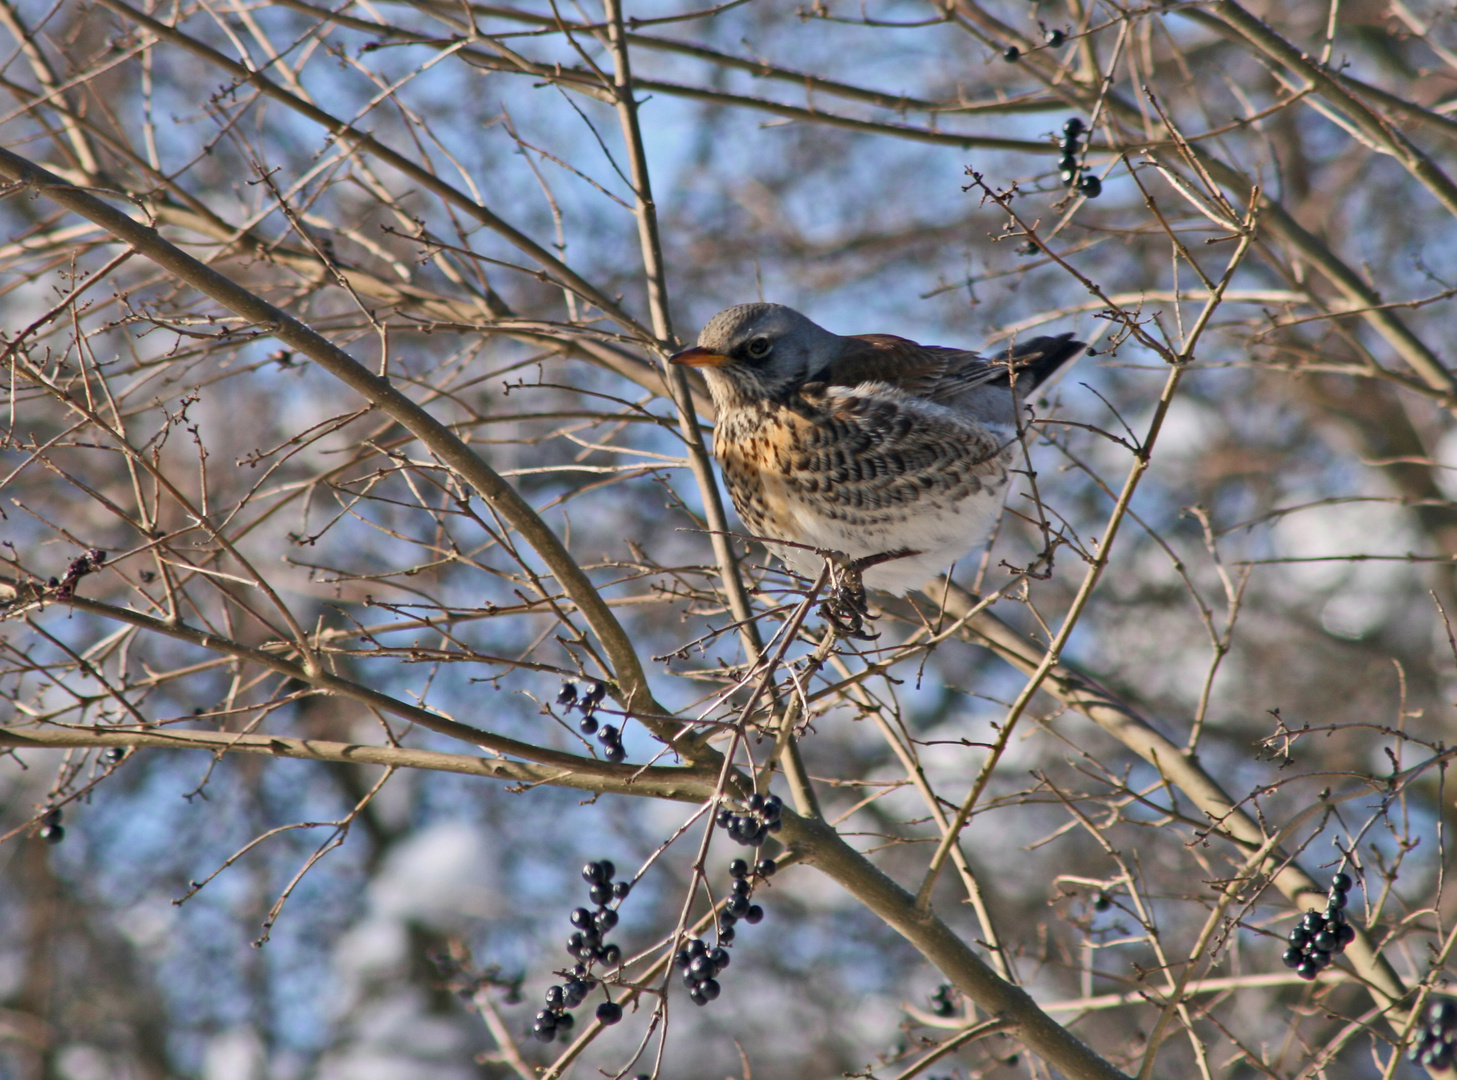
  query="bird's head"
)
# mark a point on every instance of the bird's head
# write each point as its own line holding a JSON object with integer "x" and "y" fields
{"x": 759, "y": 351}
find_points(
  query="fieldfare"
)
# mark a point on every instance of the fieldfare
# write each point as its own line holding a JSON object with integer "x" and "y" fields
{"x": 892, "y": 453}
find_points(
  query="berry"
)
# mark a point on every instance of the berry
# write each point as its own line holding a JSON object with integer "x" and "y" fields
{"x": 737, "y": 906}
{"x": 604, "y": 920}
{"x": 720, "y": 958}
{"x": 565, "y": 1022}
{"x": 726, "y": 934}
{"x": 1319, "y": 957}
{"x": 1346, "y": 933}
{"x": 581, "y": 918}
{"x": 554, "y": 996}
{"x": 682, "y": 958}
{"x": 567, "y": 695}
{"x": 611, "y": 955}
{"x": 766, "y": 868}
{"x": 696, "y": 995}
{"x": 587, "y": 725}
{"x": 1069, "y": 177}
{"x": 609, "y": 1012}
{"x": 754, "y": 914}
{"x": 1012, "y": 54}
{"x": 1341, "y": 882}
{"x": 1326, "y": 941}
{"x": 742, "y": 886}
{"x": 724, "y": 818}
{"x": 609, "y": 871}
{"x": 697, "y": 946}
{"x": 1090, "y": 186}
{"x": 1307, "y": 970}
{"x": 1054, "y": 38}
{"x": 607, "y": 736}
{"x": 600, "y": 894}
{"x": 710, "y": 989}
{"x": 114, "y": 755}
{"x": 53, "y": 834}
{"x": 738, "y": 869}
{"x": 594, "y": 695}
{"x": 1293, "y": 958}
{"x": 701, "y": 968}
{"x": 1073, "y": 128}
{"x": 51, "y": 817}
{"x": 726, "y": 921}
{"x": 1299, "y": 937}
{"x": 1102, "y": 902}
{"x": 614, "y": 754}
{"x": 593, "y": 873}
{"x": 542, "y": 1033}
{"x": 620, "y": 889}
{"x": 1335, "y": 901}
{"x": 756, "y": 802}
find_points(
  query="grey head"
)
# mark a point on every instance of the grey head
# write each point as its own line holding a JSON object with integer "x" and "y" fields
{"x": 759, "y": 351}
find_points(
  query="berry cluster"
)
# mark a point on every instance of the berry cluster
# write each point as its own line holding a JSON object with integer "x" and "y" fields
{"x": 587, "y": 946}
{"x": 750, "y": 828}
{"x": 1070, "y": 171}
{"x": 92, "y": 560}
{"x": 1434, "y": 1043}
{"x": 51, "y": 829}
{"x": 1320, "y": 936}
{"x": 701, "y": 965}
{"x": 609, "y": 735}
{"x": 943, "y": 1001}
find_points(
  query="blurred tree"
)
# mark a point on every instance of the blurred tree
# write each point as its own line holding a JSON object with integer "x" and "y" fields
{"x": 349, "y": 504}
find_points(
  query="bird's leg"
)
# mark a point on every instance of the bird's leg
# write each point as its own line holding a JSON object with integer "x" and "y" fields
{"x": 844, "y": 607}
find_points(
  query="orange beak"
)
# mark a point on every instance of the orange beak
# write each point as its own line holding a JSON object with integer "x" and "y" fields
{"x": 698, "y": 356}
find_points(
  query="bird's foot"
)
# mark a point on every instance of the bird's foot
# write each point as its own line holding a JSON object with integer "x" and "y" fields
{"x": 844, "y": 607}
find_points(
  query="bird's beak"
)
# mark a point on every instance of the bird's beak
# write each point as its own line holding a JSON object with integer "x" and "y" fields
{"x": 698, "y": 356}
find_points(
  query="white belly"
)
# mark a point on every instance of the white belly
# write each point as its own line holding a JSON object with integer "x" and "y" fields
{"x": 938, "y": 535}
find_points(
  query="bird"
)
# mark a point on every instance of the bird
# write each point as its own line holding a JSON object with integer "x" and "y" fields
{"x": 892, "y": 455}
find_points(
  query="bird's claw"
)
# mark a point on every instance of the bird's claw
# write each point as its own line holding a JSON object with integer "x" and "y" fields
{"x": 844, "y": 607}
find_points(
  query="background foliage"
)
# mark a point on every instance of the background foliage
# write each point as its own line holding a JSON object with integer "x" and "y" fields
{"x": 318, "y": 669}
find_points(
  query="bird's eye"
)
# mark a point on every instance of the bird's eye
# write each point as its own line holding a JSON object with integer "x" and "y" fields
{"x": 758, "y": 347}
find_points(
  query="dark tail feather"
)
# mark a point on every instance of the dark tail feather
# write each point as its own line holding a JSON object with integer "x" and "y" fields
{"x": 1037, "y": 358}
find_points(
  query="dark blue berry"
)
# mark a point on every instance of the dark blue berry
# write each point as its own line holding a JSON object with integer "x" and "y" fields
{"x": 756, "y": 802}
{"x": 1299, "y": 937}
{"x": 620, "y": 889}
{"x": 614, "y": 754}
{"x": 738, "y": 869}
{"x": 737, "y": 906}
{"x": 1293, "y": 958}
{"x": 695, "y": 995}
{"x": 701, "y": 968}
{"x": 1069, "y": 177}
{"x": 609, "y": 735}
{"x": 697, "y": 946}
{"x": 1335, "y": 901}
{"x": 1073, "y": 128}
{"x": 1326, "y": 941}
{"x": 754, "y": 914}
{"x": 726, "y": 934}
{"x": 724, "y": 818}
{"x": 1307, "y": 970}
{"x": 600, "y": 894}
{"x": 565, "y": 1021}
{"x": 1012, "y": 54}
{"x": 1090, "y": 187}
{"x": 581, "y": 918}
{"x": 1054, "y": 38}
{"x": 1068, "y": 163}
{"x": 611, "y": 955}
{"x": 593, "y": 873}
{"x": 567, "y": 695}
{"x": 609, "y": 1012}
{"x": 710, "y": 988}
{"x": 766, "y": 868}
{"x": 720, "y": 958}
{"x": 587, "y": 725}
{"x": 609, "y": 870}
{"x": 742, "y": 886}
{"x": 554, "y": 997}
{"x": 53, "y": 834}
{"x": 1341, "y": 882}
{"x": 604, "y": 920}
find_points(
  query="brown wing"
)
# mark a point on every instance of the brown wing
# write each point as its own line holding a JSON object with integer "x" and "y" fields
{"x": 941, "y": 374}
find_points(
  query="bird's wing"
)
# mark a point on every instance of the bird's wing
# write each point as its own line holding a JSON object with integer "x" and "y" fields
{"x": 941, "y": 374}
